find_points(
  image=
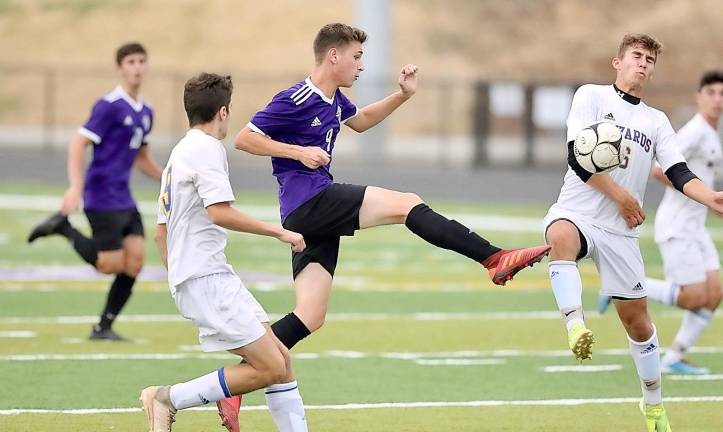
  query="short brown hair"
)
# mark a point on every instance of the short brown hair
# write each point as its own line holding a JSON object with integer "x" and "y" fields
{"x": 128, "y": 49}
{"x": 204, "y": 95}
{"x": 640, "y": 39}
{"x": 336, "y": 34}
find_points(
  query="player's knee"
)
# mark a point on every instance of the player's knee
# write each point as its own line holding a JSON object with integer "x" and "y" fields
{"x": 109, "y": 266}
{"x": 133, "y": 267}
{"x": 563, "y": 244}
{"x": 638, "y": 328}
{"x": 276, "y": 371}
{"x": 405, "y": 202}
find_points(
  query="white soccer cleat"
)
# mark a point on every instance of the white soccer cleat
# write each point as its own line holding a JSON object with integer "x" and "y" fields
{"x": 157, "y": 405}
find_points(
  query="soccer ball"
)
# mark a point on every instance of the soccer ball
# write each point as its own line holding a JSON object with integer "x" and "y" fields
{"x": 597, "y": 147}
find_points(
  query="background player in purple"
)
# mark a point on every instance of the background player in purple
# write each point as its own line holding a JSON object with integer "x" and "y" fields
{"x": 117, "y": 129}
{"x": 298, "y": 129}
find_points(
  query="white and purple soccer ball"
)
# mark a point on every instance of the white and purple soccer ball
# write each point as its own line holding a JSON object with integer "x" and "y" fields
{"x": 597, "y": 147}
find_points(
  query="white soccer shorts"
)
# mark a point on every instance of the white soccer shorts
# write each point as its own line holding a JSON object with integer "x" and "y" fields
{"x": 617, "y": 258}
{"x": 687, "y": 260}
{"x": 226, "y": 313}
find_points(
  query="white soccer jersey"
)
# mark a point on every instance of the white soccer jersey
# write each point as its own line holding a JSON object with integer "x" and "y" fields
{"x": 647, "y": 135}
{"x": 195, "y": 177}
{"x": 678, "y": 215}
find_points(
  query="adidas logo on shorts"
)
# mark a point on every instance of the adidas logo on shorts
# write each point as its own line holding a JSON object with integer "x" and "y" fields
{"x": 638, "y": 287}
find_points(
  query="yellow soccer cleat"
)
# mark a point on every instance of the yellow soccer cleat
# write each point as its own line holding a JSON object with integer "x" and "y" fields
{"x": 580, "y": 339}
{"x": 655, "y": 418}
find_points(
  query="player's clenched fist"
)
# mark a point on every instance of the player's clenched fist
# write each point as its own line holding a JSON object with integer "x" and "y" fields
{"x": 314, "y": 157}
{"x": 408, "y": 79}
{"x": 296, "y": 240}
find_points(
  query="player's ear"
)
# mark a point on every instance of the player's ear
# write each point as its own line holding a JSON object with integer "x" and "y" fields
{"x": 616, "y": 63}
{"x": 333, "y": 55}
{"x": 223, "y": 113}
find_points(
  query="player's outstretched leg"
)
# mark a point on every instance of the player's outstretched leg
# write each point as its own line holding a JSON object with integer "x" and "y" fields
{"x": 58, "y": 224}
{"x": 51, "y": 225}
{"x": 504, "y": 264}
{"x": 656, "y": 420}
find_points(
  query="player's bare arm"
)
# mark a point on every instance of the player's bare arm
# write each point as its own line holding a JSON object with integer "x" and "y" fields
{"x": 372, "y": 114}
{"x": 628, "y": 206}
{"x": 223, "y": 215}
{"x": 76, "y": 168}
{"x": 699, "y": 191}
{"x": 161, "y": 243}
{"x": 145, "y": 164}
{"x": 261, "y": 145}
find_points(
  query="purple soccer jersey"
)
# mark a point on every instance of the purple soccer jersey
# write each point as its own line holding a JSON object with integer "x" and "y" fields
{"x": 302, "y": 115}
{"x": 118, "y": 126}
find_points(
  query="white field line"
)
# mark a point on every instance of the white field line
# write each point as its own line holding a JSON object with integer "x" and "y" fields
{"x": 705, "y": 377}
{"x": 501, "y": 223}
{"x": 487, "y": 356}
{"x": 383, "y": 405}
{"x": 460, "y": 362}
{"x": 582, "y": 368}
{"x": 361, "y": 316}
{"x": 17, "y": 334}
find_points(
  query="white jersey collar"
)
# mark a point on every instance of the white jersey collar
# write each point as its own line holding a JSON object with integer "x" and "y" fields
{"x": 318, "y": 91}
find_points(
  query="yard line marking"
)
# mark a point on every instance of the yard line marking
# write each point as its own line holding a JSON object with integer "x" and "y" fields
{"x": 341, "y": 316}
{"x": 382, "y": 405}
{"x": 582, "y": 368}
{"x": 17, "y": 334}
{"x": 486, "y": 222}
{"x": 335, "y": 354}
{"x": 704, "y": 377}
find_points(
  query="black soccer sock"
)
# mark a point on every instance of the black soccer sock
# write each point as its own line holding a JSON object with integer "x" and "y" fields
{"x": 84, "y": 246}
{"x": 290, "y": 330}
{"x": 448, "y": 234}
{"x": 118, "y": 295}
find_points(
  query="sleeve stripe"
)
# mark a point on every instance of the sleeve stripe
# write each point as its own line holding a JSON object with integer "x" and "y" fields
{"x": 90, "y": 135}
{"x": 307, "y": 96}
{"x": 255, "y": 128}
{"x": 300, "y": 92}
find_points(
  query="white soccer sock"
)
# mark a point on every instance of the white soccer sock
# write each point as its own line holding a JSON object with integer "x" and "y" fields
{"x": 567, "y": 287}
{"x": 646, "y": 356}
{"x": 693, "y": 325}
{"x": 662, "y": 291}
{"x": 200, "y": 391}
{"x": 287, "y": 408}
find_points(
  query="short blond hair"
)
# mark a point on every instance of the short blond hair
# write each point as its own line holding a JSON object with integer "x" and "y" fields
{"x": 336, "y": 34}
{"x": 640, "y": 39}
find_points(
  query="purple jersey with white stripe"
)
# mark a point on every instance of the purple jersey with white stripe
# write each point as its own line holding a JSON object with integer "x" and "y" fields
{"x": 118, "y": 126}
{"x": 302, "y": 115}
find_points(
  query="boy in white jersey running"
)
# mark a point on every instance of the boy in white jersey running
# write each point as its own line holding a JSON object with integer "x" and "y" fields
{"x": 597, "y": 215}
{"x": 690, "y": 258}
{"x": 194, "y": 206}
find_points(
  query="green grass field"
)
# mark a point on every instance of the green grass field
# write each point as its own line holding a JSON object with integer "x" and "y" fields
{"x": 417, "y": 339}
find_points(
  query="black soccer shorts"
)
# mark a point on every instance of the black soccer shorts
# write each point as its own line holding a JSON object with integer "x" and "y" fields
{"x": 322, "y": 221}
{"x": 111, "y": 227}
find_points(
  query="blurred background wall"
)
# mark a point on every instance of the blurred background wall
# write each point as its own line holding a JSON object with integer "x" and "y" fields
{"x": 497, "y": 77}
